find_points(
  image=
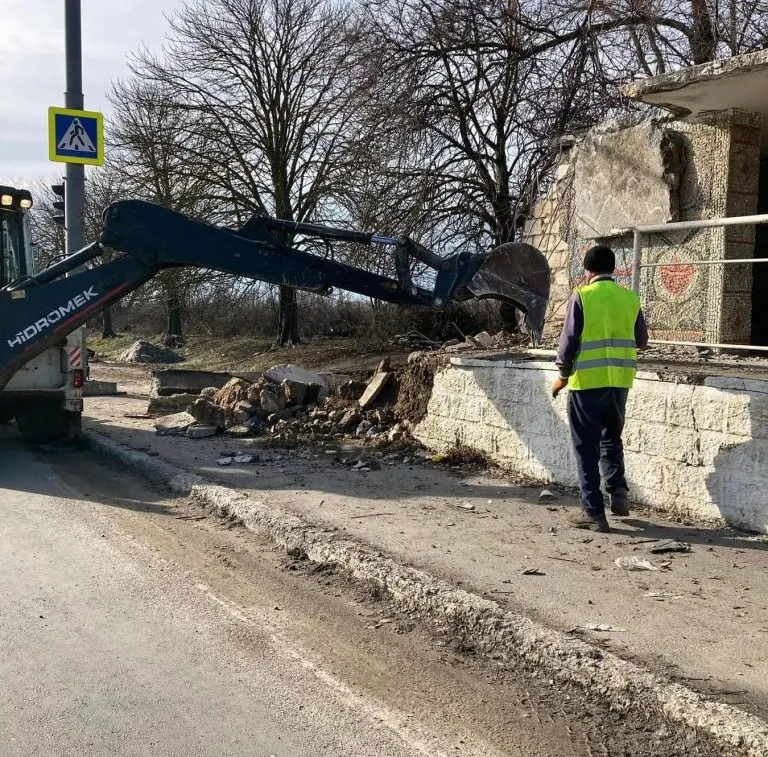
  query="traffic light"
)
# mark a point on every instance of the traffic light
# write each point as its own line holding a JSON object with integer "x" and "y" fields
{"x": 58, "y": 205}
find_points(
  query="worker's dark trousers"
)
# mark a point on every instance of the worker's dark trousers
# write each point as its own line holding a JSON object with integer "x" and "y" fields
{"x": 596, "y": 417}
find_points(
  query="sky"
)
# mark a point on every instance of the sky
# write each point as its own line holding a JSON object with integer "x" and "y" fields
{"x": 32, "y": 70}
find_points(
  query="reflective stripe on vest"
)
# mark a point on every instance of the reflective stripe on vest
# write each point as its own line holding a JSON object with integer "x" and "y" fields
{"x": 608, "y": 352}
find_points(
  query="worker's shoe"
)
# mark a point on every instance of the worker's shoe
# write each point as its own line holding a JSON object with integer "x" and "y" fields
{"x": 619, "y": 503}
{"x": 582, "y": 519}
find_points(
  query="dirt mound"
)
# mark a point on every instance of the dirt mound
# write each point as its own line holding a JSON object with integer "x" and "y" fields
{"x": 416, "y": 382}
{"x": 146, "y": 352}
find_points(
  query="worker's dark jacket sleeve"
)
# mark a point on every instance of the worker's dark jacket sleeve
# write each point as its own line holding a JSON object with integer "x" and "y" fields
{"x": 570, "y": 337}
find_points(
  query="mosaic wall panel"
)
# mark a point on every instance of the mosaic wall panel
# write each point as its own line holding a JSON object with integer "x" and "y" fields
{"x": 682, "y": 301}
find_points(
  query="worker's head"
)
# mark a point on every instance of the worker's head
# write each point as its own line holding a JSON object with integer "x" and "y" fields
{"x": 599, "y": 260}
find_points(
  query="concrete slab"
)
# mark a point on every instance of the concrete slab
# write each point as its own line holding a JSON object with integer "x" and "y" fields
{"x": 740, "y": 83}
{"x": 94, "y": 388}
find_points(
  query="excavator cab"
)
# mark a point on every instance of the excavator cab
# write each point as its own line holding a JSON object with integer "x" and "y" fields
{"x": 44, "y": 394}
{"x": 15, "y": 242}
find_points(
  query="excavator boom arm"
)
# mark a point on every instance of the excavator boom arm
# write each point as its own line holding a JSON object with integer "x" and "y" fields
{"x": 39, "y": 311}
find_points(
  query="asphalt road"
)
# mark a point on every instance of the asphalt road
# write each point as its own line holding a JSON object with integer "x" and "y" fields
{"x": 132, "y": 624}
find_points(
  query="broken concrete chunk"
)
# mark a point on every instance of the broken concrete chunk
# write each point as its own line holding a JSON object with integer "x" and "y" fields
{"x": 224, "y": 461}
{"x": 546, "y": 494}
{"x": 383, "y": 366}
{"x": 458, "y": 347}
{"x": 244, "y": 459}
{"x": 242, "y": 412}
{"x": 279, "y": 373}
{"x": 254, "y": 390}
{"x": 670, "y": 545}
{"x": 350, "y": 420}
{"x": 295, "y": 392}
{"x": 271, "y": 401}
{"x": 201, "y": 432}
{"x": 172, "y": 425}
{"x": 374, "y": 388}
{"x": 208, "y": 413}
{"x": 239, "y": 432}
{"x": 363, "y": 428}
{"x": 232, "y": 393}
{"x": 280, "y": 415}
{"x": 176, "y": 403}
{"x": 484, "y": 339}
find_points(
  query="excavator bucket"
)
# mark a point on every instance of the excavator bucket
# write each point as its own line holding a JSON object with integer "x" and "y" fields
{"x": 519, "y": 274}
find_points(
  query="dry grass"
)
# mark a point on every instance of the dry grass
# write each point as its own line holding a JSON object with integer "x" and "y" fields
{"x": 242, "y": 354}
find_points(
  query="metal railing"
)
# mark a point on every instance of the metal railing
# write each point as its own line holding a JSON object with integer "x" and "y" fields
{"x": 637, "y": 264}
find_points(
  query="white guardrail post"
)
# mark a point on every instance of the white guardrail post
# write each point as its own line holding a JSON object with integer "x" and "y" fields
{"x": 637, "y": 253}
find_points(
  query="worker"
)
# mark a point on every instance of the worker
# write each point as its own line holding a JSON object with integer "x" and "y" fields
{"x": 597, "y": 360}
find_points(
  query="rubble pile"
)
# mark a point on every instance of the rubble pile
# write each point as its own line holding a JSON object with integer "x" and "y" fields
{"x": 288, "y": 405}
{"x": 146, "y": 352}
{"x": 485, "y": 341}
{"x": 482, "y": 341}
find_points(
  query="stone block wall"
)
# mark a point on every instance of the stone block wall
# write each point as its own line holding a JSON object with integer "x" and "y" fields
{"x": 691, "y": 450}
{"x": 549, "y": 232}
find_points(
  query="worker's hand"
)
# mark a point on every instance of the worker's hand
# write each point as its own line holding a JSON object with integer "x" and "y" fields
{"x": 558, "y": 385}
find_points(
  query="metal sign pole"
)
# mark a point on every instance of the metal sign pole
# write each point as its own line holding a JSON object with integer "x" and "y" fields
{"x": 73, "y": 98}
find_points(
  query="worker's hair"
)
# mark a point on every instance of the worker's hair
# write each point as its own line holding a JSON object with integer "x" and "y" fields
{"x": 599, "y": 259}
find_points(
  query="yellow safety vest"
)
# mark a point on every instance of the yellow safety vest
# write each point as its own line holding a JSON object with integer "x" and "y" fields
{"x": 608, "y": 352}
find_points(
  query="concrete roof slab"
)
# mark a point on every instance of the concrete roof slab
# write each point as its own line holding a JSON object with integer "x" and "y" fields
{"x": 740, "y": 82}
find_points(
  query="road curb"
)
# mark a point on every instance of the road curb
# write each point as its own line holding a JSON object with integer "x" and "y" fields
{"x": 481, "y": 622}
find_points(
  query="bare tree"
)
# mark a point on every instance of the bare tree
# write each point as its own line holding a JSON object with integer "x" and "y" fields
{"x": 667, "y": 34}
{"x": 484, "y": 90}
{"x": 151, "y": 140}
{"x": 265, "y": 85}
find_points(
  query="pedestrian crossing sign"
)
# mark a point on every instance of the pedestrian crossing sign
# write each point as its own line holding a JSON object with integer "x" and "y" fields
{"x": 75, "y": 136}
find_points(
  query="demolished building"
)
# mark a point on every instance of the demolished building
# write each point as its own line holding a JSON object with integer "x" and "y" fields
{"x": 705, "y": 160}
{"x": 697, "y": 435}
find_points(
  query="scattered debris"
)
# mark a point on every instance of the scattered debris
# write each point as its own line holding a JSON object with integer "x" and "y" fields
{"x": 660, "y": 596}
{"x": 244, "y": 459}
{"x": 670, "y": 545}
{"x": 632, "y": 562}
{"x": 533, "y": 572}
{"x": 466, "y": 506}
{"x": 415, "y": 340}
{"x": 224, "y": 461}
{"x": 604, "y": 628}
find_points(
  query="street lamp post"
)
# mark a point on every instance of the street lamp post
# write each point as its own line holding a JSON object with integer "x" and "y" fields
{"x": 73, "y": 98}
